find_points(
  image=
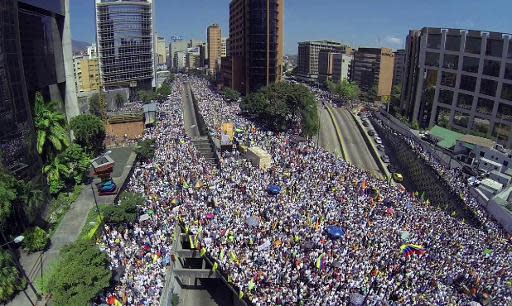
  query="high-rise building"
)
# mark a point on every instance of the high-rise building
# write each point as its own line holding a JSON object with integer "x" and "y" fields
{"x": 256, "y": 44}
{"x": 35, "y": 56}
{"x": 224, "y": 47}
{"x": 160, "y": 50}
{"x": 398, "y": 71}
{"x": 308, "y": 55}
{"x": 87, "y": 73}
{"x": 125, "y": 34}
{"x": 460, "y": 79}
{"x": 333, "y": 66}
{"x": 214, "y": 36}
{"x": 180, "y": 60}
{"x": 176, "y": 46}
{"x": 372, "y": 68}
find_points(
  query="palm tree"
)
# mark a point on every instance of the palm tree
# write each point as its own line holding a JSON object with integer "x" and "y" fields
{"x": 32, "y": 197}
{"x": 52, "y": 136}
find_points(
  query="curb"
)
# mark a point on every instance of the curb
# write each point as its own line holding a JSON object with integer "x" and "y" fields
{"x": 372, "y": 149}
{"x": 338, "y": 133}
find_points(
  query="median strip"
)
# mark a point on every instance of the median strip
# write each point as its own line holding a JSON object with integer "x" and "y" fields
{"x": 338, "y": 133}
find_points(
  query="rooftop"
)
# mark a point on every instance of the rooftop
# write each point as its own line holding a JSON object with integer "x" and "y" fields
{"x": 447, "y": 138}
{"x": 477, "y": 140}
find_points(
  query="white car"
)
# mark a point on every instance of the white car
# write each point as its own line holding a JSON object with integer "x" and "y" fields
{"x": 473, "y": 181}
{"x": 378, "y": 140}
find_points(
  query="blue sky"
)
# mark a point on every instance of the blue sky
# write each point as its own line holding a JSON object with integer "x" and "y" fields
{"x": 367, "y": 23}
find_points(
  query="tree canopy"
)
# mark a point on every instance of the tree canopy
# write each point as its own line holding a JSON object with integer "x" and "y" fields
{"x": 125, "y": 212}
{"x": 50, "y": 125}
{"x": 231, "y": 95}
{"x": 345, "y": 90}
{"x": 145, "y": 149}
{"x": 284, "y": 105}
{"x": 10, "y": 279}
{"x": 80, "y": 275}
{"x": 89, "y": 133}
{"x": 164, "y": 90}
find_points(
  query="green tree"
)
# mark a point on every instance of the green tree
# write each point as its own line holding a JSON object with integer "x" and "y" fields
{"x": 164, "y": 90}
{"x": 36, "y": 239}
{"x": 89, "y": 133}
{"x": 94, "y": 105}
{"x": 255, "y": 103}
{"x": 32, "y": 196}
{"x": 345, "y": 90}
{"x": 145, "y": 149}
{"x": 124, "y": 213}
{"x": 120, "y": 100}
{"x": 371, "y": 94}
{"x": 8, "y": 187}
{"x": 10, "y": 279}
{"x": 78, "y": 162}
{"x": 231, "y": 95}
{"x": 57, "y": 172}
{"x": 80, "y": 275}
{"x": 146, "y": 96}
{"x": 52, "y": 136}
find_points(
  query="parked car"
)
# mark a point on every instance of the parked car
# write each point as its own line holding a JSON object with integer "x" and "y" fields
{"x": 391, "y": 168}
{"x": 378, "y": 140}
{"x": 380, "y": 147}
{"x": 365, "y": 123}
{"x": 371, "y": 132}
{"x": 398, "y": 177}
{"x": 385, "y": 158}
{"x": 473, "y": 181}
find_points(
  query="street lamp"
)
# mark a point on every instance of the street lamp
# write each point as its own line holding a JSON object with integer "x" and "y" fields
{"x": 18, "y": 240}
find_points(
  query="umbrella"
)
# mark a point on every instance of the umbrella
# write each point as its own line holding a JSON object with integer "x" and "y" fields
{"x": 210, "y": 216}
{"x": 335, "y": 232}
{"x": 356, "y": 299}
{"x": 405, "y": 235}
{"x": 252, "y": 221}
{"x": 143, "y": 217}
{"x": 390, "y": 211}
{"x": 274, "y": 189}
{"x": 151, "y": 212}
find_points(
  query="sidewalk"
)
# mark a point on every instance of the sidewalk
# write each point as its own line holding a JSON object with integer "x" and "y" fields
{"x": 66, "y": 233}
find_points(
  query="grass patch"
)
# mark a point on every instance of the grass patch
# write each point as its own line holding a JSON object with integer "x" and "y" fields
{"x": 60, "y": 207}
{"x": 92, "y": 224}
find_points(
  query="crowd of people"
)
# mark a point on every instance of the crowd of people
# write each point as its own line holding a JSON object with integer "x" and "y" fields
{"x": 273, "y": 247}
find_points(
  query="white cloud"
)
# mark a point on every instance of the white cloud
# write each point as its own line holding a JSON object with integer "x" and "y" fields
{"x": 394, "y": 42}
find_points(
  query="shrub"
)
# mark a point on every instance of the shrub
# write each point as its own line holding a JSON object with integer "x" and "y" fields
{"x": 61, "y": 204}
{"x": 36, "y": 239}
{"x": 10, "y": 279}
{"x": 125, "y": 212}
{"x": 80, "y": 275}
{"x": 145, "y": 149}
{"x": 89, "y": 133}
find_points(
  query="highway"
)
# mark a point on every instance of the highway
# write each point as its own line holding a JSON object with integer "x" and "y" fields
{"x": 328, "y": 138}
{"x": 356, "y": 150}
{"x": 189, "y": 116}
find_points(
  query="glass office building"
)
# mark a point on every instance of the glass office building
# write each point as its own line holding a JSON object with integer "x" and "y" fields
{"x": 125, "y": 39}
{"x": 33, "y": 34}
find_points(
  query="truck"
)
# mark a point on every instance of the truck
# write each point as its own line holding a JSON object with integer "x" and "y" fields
{"x": 259, "y": 158}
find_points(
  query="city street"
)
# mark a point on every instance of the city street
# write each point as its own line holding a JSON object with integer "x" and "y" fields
{"x": 354, "y": 145}
{"x": 328, "y": 138}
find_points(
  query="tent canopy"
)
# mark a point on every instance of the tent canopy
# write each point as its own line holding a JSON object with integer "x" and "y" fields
{"x": 335, "y": 232}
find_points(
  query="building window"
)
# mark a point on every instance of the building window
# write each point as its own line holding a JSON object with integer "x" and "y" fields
{"x": 470, "y": 64}
{"x": 461, "y": 119}
{"x": 432, "y": 59}
{"x": 504, "y": 112}
{"x": 485, "y": 106}
{"x": 451, "y": 61}
{"x": 481, "y": 126}
{"x": 443, "y": 117}
{"x": 465, "y": 101}
{"x": 508, "y": 71}
{"x": 445, "y": 96}
{"x": 494, "y": 47}
{"x": 473, "y": 45}
{"x": 491, "y": 68}
{"x": 501, "y": 132}
{"x": 506, "y": 91}
{"x": 452, "y": 43}
{"x": 488, "y": 87}
{"x": 434, "y": 41}
{"x": 467, "y": 83}
{"x": 448, "y": 79}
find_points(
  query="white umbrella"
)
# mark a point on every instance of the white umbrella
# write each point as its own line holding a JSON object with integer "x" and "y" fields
{"x": 143, "y": 217}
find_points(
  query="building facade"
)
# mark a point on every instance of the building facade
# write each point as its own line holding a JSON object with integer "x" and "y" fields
{"x": 256, "y": 44}
{"x": 161, "y": 52}
{"x": 214, "y": 37}
{"x": 224, "y": 47}
{"x": 87, "y": 73}
{"x": 460, "y": 79}
{"x": 333, "y": 66}
{"x": 35, "y": 56}
{"x": 372, "y": 69}
{"x": 308, "y": 56}
{"x": 174, "y": 47}
{"x": 125, "y": 39}
{"x": 398, "y": 70}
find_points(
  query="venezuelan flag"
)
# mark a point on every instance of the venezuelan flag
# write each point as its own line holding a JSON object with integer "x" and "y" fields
{"x": 411, "y": 249}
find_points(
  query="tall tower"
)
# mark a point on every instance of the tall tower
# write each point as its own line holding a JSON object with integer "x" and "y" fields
{"x": 214, "y": 36}
{"x": 256, "y": 44}
{"x": 126, "y": 44}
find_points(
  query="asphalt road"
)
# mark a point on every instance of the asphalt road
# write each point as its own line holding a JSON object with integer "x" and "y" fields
{"x": 354, "y": 145}
{"x": 328, "y": 138}
{"x": 189, "y": 116}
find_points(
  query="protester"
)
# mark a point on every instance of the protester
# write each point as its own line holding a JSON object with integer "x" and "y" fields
{"x": 274, "y": 247}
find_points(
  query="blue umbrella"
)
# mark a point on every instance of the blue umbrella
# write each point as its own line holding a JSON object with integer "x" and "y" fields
{"x": 335, "y": 232}
{"x": 274, "y": 189}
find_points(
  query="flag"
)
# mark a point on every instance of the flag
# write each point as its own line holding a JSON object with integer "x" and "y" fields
{"x": 411, "y": 249}
{"x": 203, "y": 252}
{"x": 241, "y": 295}
{"x": 319, "y": 261}
{"x": 215, "y": 267}
{"x": 191, "y": 242}
{"x": 221, "y": 255}
{"x": 251, "y": 285}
